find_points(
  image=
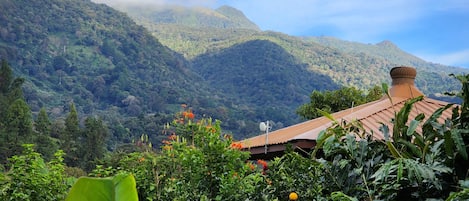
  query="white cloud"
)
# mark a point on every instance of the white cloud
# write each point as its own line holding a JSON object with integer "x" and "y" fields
{"x": 458, "y": 58}
{"x": 355, "y": 20}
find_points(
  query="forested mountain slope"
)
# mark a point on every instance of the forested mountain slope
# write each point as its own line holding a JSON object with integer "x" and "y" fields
{"x": 196, "y": 17}
{"x": 344, "y": 61}
{"x": 100, "y": 59}
{"x": 78, "y": 47}
{"x": 262, "y": 73}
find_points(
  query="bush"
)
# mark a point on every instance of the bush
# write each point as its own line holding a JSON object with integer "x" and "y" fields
{"x": 196, "y": 162}
{"x": 29, "y": 178}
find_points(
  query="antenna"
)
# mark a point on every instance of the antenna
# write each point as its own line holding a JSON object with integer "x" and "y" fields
{"x": 265, "y": 126}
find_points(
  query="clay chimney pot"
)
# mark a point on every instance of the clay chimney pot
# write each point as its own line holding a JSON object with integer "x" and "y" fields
{"x": 403, "y": 78}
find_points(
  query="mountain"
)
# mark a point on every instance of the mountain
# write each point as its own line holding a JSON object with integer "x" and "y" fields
{"x": 385, "y": 49}
{"x": 196, "y": 17}
{"x": 344, "y": 61}
{"x": 100, "y": 59}
{"x": 70, "y": 47}
{"x": 262, "y": 73}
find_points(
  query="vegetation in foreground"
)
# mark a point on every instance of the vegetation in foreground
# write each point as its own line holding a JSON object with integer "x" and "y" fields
{"x": 198, "y": 161}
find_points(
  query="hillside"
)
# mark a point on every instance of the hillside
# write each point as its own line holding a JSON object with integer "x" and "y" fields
{"x": 69, "y": 48}
{"x": 100, "y": 59}
{"x": 262, "y": 73}
{"x": 385, "y": 49}
{"x": 224, "y": 17}
{"x": 343, "y": 61}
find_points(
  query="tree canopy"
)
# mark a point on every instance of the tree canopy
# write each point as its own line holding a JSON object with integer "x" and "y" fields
{"x": 337, "y": 100}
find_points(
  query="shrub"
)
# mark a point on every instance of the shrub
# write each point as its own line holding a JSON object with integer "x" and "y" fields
{"x": 29, "y": 178}
{"x": 196, "y": 162}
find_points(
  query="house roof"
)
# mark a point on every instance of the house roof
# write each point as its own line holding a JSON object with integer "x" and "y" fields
{"x": 371, "y": 115}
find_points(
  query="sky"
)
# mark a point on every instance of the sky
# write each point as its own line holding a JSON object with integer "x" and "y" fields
{"x": 434, "y": 30}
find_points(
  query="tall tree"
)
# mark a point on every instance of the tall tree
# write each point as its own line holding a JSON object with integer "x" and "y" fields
{"x": 42, "y": 124}
{"x": 46, "y": 145}
{"x": 17, "y": 129}
{"x": 15, "y": 115}
{"x": 94, "y": 148}
{"x": 70, "y": 137}
{"x": 6, "y": 77}
{"x": 10, "y": 89}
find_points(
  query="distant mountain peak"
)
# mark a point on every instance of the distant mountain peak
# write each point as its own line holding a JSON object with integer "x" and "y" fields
{"x": 387, "y": 44}
{"x": 230, "y": 11}
{"x": 224, "y": 17}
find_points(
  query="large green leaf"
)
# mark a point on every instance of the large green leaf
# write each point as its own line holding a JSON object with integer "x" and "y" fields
{"x": 459, "y": 141}
{"x": 118, "y": 188}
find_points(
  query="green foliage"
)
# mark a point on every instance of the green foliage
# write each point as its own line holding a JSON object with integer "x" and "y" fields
{"x": 29, "y": 178}
{"x": 10, "y": 87}
{"x": 45, "y": 144}
{"x": 265, "y": 75}
{"x": 76, "y": 50}
{"x": 350, "y": 157}
{"x": 119, "y": 188}
{"x": 458, "y": 136}
{"x": 101, "y": 59}
{"x": 42, "y": 124}
{"x": 224, "y": 17}
{"x": 198, "y": 162}
{"x": 94, "y": 146}
{"x": 203, "y": 165}
{"x": 294, "y": 173}
{"x": 16, "y": 129}
{"x": 463, "y": 194}
{"x": 422, "y": 161}
{"x": 70, "y": 137}
{"x": 404, "y": 177}
{"x": 337, "y": 100}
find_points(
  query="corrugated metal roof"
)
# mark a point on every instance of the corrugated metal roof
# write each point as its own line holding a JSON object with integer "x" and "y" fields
{"x": 372, "y": 115}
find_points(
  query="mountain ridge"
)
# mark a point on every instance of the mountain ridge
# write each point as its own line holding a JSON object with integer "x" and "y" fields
{"x": 342, "y": 60}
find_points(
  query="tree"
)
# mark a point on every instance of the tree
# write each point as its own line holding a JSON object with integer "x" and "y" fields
{"x": 30, "y": 178}
{"x": 6, "y": 77}
{"x": 15, "y": 115}
{"x": 333, "y": 101}
{"x": 70, "y": 137}
{"x": 95, "y": 134}
{"x": 42, "y": 124}
{"x": 45, "y": 144}
{"x": 17, "y": 129}
{"x": 19, "y": 121}
{"x": 10, "y": 89}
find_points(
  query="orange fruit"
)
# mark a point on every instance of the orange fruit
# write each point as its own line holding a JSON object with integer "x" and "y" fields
{"x": 293, "y": 196}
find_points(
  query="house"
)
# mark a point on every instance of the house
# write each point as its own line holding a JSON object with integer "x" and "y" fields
{"x": 372, "y": 115}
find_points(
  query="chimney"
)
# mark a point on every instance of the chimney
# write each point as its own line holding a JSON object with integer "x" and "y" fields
{"x": 403, "y": 78}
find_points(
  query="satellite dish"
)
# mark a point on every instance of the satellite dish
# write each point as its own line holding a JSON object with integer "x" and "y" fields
{"x": 262, "y": 126}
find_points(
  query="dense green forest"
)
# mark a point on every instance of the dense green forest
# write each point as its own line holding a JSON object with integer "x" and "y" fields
{"x": 98, "y": 58}
{"x": 135, "y": 77}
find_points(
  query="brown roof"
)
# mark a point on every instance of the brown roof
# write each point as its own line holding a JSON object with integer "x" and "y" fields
{"x": 371, "y": 115}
